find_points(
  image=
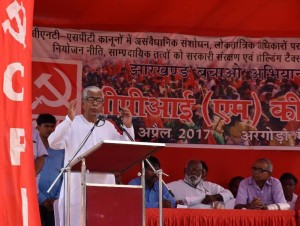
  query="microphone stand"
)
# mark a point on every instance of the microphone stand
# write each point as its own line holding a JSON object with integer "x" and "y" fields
{"x": 67, "y": 168}
{"x": 159, "y": 172}
{"x": 119, "y": 124}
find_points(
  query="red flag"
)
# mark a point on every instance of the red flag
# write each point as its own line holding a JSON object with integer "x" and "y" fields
{"x": 18, "y": 192}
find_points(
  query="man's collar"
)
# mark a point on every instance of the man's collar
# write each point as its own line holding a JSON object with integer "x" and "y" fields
{"x": 252, "y": 181}
{"x": 188, "y": 183}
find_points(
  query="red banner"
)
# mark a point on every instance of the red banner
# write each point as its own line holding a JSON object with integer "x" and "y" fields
{"x": 55, "y": 83}
{"x": 183, "y": 89}
{"x": 18, "y": 192}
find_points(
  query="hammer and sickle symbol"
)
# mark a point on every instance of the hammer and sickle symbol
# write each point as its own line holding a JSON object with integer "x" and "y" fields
{"x": 13, "y": 12}
{"x": 62, "y": 99}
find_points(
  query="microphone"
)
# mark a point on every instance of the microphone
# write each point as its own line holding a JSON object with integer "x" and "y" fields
{"x": 116, "y": 118}
{"x": 100, "y": 118}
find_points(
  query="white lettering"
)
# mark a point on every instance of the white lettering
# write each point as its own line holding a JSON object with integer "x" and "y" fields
{"x": 24, "y": 206}
{"x": 16, "y": 147}
{"x": 8, "y": 85}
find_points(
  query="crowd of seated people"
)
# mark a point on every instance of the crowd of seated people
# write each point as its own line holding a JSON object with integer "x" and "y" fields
{"x": 117, "y": 75}
{"x": 259, "y": 191}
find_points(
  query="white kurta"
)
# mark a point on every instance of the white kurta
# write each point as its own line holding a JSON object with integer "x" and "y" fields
{"x": 293, "y": 202}
{"x": 192, "y": 197}
{"x": 69, "y": 135}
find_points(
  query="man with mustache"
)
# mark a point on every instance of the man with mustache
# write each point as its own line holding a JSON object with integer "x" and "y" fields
{"x": 197, "y": 193}
{"x": 261, "y": 191}
{"x": 71, "y": 133}
{"x": 152, "y": 186}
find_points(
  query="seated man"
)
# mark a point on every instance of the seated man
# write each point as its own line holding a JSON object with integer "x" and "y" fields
{"x": 261, "y": 190}
{"x": 289, "y": 184}
{"x": 233, "y": 187}
{"x": 234, "y": 184}
{"x": 196, "y": 193}
{"x": 152, "y": 186}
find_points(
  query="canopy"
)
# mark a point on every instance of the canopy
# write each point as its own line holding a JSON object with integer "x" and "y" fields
{"x": 257, "y": 18}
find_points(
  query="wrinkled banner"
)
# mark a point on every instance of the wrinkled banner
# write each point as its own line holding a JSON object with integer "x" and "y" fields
{"x": 180, "y": 88}
{"x": 19, "y": 203}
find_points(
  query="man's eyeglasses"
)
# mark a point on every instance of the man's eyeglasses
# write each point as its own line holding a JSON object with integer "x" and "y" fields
{"x": 91, "y": 100}
{"x": 258, "y": 170}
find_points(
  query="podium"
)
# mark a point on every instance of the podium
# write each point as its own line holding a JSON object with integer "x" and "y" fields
{"x": 109, "y": 204}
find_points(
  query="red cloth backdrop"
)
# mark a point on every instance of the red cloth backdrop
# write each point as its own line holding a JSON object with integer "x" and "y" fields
{"x": 255, "y": 18}
{"x": 17, "y": 178}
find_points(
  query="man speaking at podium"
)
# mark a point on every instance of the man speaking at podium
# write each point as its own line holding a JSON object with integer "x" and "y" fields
{"x": 69, "y": 135}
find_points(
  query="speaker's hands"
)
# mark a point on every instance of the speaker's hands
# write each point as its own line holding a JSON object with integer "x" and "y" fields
{"x": 126, "y": 117}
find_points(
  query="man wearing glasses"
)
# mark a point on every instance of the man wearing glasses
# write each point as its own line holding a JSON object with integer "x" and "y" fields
{"x": 261, "y": 190}
{"x": 71, "y": 132}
